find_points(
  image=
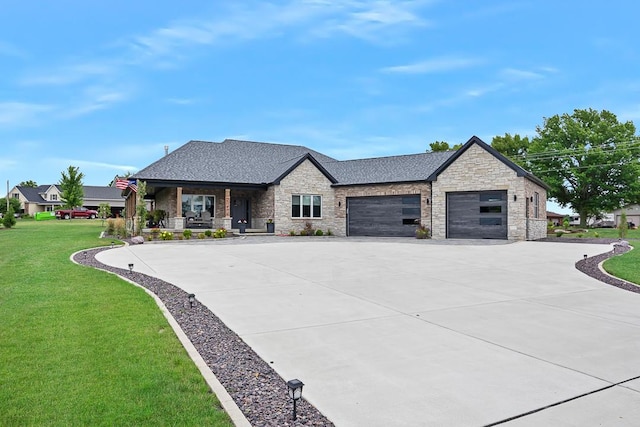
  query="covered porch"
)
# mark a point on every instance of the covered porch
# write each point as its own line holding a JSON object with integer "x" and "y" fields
{"x": 209, "y": 206}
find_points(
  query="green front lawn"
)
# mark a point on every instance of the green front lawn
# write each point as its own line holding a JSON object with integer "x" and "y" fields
{"x": 626, "y": 266}
{"x": 82, "y": 347}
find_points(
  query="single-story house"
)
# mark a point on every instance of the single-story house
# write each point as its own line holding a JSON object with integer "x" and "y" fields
{"x": 474, "y": 192}
{"x": 555, "y": 218}
{"x": 632, "y": 212}
{"x": 46, "y": 198}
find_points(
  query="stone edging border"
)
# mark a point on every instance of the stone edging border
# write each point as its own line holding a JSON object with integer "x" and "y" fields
{"x": 592, "y": 267}
{"x": 253, "y": 386}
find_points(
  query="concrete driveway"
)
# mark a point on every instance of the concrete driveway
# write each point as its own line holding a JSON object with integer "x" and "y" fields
{"x": 392, "y": 332}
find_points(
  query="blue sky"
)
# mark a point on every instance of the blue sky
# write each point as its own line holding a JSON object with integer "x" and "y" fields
{"x": 106, "y": 85}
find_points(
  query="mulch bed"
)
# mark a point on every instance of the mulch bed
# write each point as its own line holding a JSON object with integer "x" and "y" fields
{"x": 589, "y": 266}
{"x": 260, "y": 393}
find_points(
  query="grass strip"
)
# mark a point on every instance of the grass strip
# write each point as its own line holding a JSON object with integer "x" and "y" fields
{"x": 83, "y": 347}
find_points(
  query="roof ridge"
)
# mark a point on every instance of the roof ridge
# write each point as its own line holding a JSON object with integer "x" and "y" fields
{"x": 397, "y": 156}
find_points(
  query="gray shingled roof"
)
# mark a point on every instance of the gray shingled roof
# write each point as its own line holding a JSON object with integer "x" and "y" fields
{"x": 102, "y": 193}
{"x": 407, "y": 168}
{"x": 33, "y": 195}
{"x": 245, "y": 162}
{"x": 230, "y": 161}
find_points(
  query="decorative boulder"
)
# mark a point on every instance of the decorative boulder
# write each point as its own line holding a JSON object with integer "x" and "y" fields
{"x": 137, "y": 240}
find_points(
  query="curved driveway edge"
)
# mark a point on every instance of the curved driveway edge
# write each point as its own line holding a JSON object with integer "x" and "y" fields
{"x": 230, "y": 407}
{"x": 391, "y": 333}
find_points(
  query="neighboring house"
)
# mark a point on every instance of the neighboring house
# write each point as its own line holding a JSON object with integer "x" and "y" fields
{"x": 632, "y": 212}
{"x": 474, "y": 192}
{"x": 555, "y": 218}
{"x": 46, "y": 198}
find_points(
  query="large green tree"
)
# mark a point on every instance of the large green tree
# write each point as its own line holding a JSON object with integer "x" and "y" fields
{"x": 14, "y": 205}
{"x": 442, "y": 146}
{"x": 589, "y": 159}
{"x": 71, "y": 185}
{"x": 512, "y": 146}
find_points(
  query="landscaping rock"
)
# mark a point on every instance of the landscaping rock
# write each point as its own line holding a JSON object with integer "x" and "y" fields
{"x": 137, "y": 240}
{"x": 260, "y": 393}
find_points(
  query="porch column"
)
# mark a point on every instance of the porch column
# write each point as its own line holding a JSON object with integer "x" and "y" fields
{"x": 177, "y": 221}
{"x": 226, "y": 221}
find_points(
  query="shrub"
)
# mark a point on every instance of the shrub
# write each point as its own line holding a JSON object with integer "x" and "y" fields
{"x": 166, "y": 235}
{"x": 304, "y": 232}
{"x": 207, "y": 233}
{"x": 565, "y": 223}
{"x": 111, "y": 227}
{"x": 308, "y": 227}
{"x": 623, "y": 228}
{"x": 319, "y": 232}
{"x": 220, "y": 233}
{"x": 596, "y": 234}
{"x": 329, "y": 232}
{"x": 120, "y": 227}
{"x": 292, "y": 232}
{"x": 580, "y": 234}
{"x": 422, "y": 232}
{"x": 201, "y": 236}
{"x": 187, "y": 234}
{"x": 559, "y": 233}
{"x": 8, "y": 220}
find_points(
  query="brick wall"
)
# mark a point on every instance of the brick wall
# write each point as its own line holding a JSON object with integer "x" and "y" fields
{"x": 421, "y": 188}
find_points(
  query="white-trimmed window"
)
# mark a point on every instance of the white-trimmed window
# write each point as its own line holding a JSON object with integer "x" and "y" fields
{"x": 536, "y": 205}
{"x": 306, "y": 206}
{"x": 198, "y": 203}
{"x": 53, "y": 197}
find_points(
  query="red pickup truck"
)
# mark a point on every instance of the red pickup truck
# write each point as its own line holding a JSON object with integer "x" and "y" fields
{"x": 76, "y": 213}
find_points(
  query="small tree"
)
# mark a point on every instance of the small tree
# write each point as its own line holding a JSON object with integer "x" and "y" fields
{"x": 623, "y": 227}
{"x": 72, "y": 194}
{"x": 8, "y": 220}
{"x": 141, "y": 207}
{"x": 28, "y": 183}
{"x": 104, "y": 211}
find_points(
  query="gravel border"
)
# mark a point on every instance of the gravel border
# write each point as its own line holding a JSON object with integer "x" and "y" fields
{"x": 260, "y": 393}
{"x": 591, "y": 265}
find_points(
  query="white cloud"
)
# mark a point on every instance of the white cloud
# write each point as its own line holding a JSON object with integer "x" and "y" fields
{"x": 95, "y": 98}
{"x": 22, "y": 113}
{"x": 434, "y": 65}
{"x": 99, "y": 165}
{"x": 69, "y": 74}
{"x": 515, "y": 74}
{"x": 8, "y": 49}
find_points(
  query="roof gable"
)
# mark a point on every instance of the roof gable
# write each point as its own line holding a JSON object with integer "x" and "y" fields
{"x": 313, "y": 160}
{"x": 474, "y": 140}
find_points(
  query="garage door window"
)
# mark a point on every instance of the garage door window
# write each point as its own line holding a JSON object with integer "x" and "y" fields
{"x": 306, "y": 206}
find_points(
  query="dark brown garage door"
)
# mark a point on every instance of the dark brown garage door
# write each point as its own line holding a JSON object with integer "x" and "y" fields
{"x": 477, "y": 215}
{"x": 383, "y": 215}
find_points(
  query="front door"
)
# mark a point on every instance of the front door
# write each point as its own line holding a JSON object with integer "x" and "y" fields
{"x": 240, "y": 210}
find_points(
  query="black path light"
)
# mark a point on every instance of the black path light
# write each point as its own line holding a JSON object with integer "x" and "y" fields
{"x": 585, "y": 256}
{"x": 112, "y": 244}
{"x": 192, "y": 300}
{"x": 295, "y": 393}
{"x": 130, "y": 267}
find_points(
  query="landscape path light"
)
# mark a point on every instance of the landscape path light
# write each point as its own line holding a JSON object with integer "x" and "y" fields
{"x": 192, "y": 300}
{"x": 295, "y": 393}
{"x": 130, "y": 267}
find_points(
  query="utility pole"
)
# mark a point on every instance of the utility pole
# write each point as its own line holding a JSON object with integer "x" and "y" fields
{"x": 7, "y": 195}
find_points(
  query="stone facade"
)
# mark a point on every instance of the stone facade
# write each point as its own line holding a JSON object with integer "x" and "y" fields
{"x": 478, "y": 170}
{"x": 306, "y": 179}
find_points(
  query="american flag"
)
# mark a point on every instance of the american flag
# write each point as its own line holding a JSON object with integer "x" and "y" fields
{"x": 123, "y": 184}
